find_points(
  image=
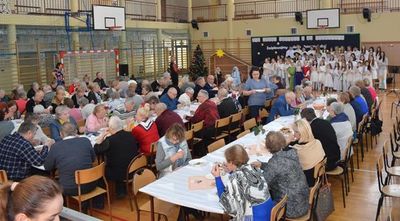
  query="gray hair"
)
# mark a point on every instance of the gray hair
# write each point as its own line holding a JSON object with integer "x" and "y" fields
{"x": 367, "y": 82}
{"x": 38, "y": 109}
{"x": 61, "y": 109}
{"x": 21, "y": 94}
{"x": 26, "y": 127}
{"x": 204, "y": 92}
{"x": 68, "y": 129}
{"x": 199, "y": 79}
{"x": 298, "y": 88}
{"x": 355, "y": 91}
{"x": 160, "y": 107}
{"x": 115, "y": 123}
{"x": 189, "y": 90}
{"x": 337, "y": 107}
{"x": 83, "y": 101}
{"x": 76, "y": 80}
{"x": 114, "y": 95}
{"x": 166, "y": 74}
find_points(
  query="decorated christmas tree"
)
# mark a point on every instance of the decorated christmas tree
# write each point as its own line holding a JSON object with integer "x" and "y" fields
{"x": 197, "y": 66}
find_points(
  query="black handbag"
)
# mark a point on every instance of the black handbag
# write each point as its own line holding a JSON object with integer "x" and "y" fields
{"x": 325, "y": 205}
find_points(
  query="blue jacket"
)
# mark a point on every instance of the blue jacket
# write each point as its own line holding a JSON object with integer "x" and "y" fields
{"x": 55, "y": 128}
{"x": 171, "y": 103}
{"x": 360, "y": 108}
{"x": 281, "y": 108}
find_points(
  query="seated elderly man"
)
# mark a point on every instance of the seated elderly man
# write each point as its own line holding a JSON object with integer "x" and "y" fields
{"x": 365, "y": 93}
{"x": 60, "y": 158}
{"x": 166, "y": 118}
{"x": 170, "y": 99}
{"x": 115, "y": 102}
{"x": 17, "y": 154}
{"x": 210, "y": 86}
{"x": 159, "y": 84}
{"x": 282, "y": 106}
{"x": 358, "y": 103}
{"x": 341, "y": 124}
{"x": 324, "y": 132}
{"x": 200, "y": 84}
{"x": 227, "y": 105}
{"x": 119, "y": 148}
{"x": 62, "y": 117}
{"x": 307, "y": 93}
{"x": 208, "y": 112}
{"x": 186, "y": 98}
{"x": 127, "y": 112}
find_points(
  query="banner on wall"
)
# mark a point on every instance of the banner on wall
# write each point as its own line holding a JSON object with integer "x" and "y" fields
{"x": 272, "y": 46}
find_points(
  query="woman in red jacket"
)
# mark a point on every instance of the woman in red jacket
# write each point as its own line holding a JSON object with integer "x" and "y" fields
{"x": 145, "y": 130}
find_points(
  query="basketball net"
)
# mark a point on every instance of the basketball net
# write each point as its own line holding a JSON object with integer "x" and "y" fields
{"x": 115, "y": 31}
{"x": 322, "y": 27}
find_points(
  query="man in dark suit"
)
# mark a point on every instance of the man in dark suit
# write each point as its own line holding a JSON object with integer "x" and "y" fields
{"x": 324, "y": 132}
{"x": 119, "y": 148}
{"x": 227, "y": 105}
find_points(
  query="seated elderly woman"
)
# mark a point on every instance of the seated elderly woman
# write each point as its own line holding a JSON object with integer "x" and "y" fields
{"x": 308, "y": 148}
{"x": 127, "y": 111}
{"x": 6, "y": 126}
{"x": 45, "y": 118}
{"x": 115, "y": 102}
{"x": 358, "y": 103}
{"x": 344, "y": 98}
{"x": 97, "y": 120}
{"x": 341, "y": 124}
{"x": 119, "y": 147}
{"x": 62, "y": 116}
{"x": 284, "y": 174}
{"x": 145, "y": 131}
{"x": 94, "y": 93}
{"x": 172, "y": 150}
{"x": 245, "y": 195}
{"x": 298, "y": 90}
{"x": 12, "y": 112}
{"x": 74, "y": 112}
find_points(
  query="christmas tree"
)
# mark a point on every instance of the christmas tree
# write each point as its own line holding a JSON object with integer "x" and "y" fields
{"x": 197, "y": 66}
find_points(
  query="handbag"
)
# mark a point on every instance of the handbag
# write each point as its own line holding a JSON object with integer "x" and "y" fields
{"x": 324, "y": 205}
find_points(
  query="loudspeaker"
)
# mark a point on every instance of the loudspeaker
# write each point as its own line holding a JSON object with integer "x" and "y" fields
{"x": 367, "y": 14}
{"x": 195, "y": 24}
{"x": 123, "y": 70}
{"x": 299, "y": 17}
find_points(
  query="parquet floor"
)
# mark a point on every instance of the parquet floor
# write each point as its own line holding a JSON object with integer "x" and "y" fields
{"x": 361, "y": 202}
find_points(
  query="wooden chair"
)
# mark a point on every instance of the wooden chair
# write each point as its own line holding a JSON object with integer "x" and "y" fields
{"x": 3, "y": 177}
{"x": 47, "y": 131}
{"x": 221, "y": 128}
{"x": 151, "y": 159}
{"x": 386, "y": 190}
{"x": 197, "y": 130}
{"x": 216, "y": 145}
{"x": 263, "y": 114}
{"x": 319, "y": 169}
{"x": 245, "y": 113}
{"x": 234, "y": 125}
{"x": 189, "y": 135}
{"x": 243, "y": 134}
{"x": 142, "y": 201}
{"x": 250, "y": 124}
{"x": 140, "y": 161}
{"x": 87, "y": 176}
{"x": 312, "y": 202}
{"x": 278, "y": 212}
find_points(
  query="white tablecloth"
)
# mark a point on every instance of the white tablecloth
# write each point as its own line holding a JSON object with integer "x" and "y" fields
{"x": 174, "y": 188}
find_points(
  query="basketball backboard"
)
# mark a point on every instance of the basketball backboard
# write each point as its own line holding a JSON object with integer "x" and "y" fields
{"x": 328, "y": 18}
{"x": 108, "y": 17}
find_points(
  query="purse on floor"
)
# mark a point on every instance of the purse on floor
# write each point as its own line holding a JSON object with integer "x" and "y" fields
{"x": 324, "y": 205}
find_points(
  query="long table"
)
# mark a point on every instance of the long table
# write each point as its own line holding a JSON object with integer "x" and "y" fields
{"x": 174, "y": 188}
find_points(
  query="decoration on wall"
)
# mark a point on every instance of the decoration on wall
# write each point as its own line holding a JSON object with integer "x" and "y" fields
{"x": 220, "y": 53}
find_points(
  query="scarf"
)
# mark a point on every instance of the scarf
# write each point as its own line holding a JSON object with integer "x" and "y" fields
{"x": 342, "y": 117}
{"x": 246, "y": 188}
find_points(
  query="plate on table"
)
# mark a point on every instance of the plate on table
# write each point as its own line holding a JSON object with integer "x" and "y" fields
{"x": 197, "y": 162}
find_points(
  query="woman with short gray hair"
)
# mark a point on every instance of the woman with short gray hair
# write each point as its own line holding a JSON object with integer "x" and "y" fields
{"x": 62, "y": 117}
{"x": 341, "y": 124}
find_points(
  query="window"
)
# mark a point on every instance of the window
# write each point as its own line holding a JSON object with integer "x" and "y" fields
{"x": 205, "y": 34}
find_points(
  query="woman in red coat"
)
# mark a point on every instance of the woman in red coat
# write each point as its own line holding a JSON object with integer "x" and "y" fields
{"x": 145, "y": 130}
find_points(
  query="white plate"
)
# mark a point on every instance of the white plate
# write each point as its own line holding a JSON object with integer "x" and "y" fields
{"x": 197, "y": 162}
{"x": 260, "y": 90}
{"x": 209, "y": 176}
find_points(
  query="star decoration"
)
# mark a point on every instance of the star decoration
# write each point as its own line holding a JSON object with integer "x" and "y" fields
{"x": 220, "y": 53}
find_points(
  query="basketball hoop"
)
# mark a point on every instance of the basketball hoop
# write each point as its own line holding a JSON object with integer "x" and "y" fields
{"x": 115, "y": 30}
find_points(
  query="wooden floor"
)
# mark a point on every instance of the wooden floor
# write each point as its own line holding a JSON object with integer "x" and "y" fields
{"x": 361, "y": 203}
